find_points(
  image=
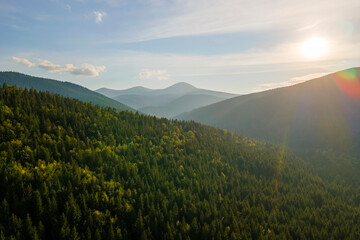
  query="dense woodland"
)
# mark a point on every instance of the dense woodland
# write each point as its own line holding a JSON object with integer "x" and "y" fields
{"x": 72, "y": 170}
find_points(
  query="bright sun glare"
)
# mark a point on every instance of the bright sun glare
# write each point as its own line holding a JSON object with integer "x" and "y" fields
{"x": 314, "y": 47}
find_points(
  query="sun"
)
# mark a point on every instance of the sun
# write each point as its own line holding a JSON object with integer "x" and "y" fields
{"x": 314, "y": 47}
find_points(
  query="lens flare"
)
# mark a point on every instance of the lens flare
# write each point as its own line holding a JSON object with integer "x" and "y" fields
{"x": 347, "y": 28}
{"x": 348, "y": 81}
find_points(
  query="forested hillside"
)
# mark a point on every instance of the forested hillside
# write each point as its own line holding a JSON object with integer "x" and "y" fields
{"x": 72, "y": 170}
{"x": 65, "y": 89}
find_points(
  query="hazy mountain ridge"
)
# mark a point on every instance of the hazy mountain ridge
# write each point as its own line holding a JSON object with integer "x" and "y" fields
{"x": 163, "y": 102}
{"x": 111, "y": 93}
{"x": 65, "y": 89}
{"x": 140, "y": 101}
{"x": 178, "y": 88}
{"x": 182, "y": 104}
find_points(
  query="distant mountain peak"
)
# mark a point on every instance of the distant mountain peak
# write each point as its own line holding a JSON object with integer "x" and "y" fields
{"x": 183, "y": 85}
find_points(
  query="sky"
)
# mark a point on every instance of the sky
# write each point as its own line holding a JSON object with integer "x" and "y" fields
{"x": 238, "y": 46}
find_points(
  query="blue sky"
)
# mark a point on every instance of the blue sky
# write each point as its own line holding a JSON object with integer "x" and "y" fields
{"x": 238, "y": 46}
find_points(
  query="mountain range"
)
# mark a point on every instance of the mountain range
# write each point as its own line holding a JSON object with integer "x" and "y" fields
{"x": 168, "y": 102}
{"x": 65, "y": 89}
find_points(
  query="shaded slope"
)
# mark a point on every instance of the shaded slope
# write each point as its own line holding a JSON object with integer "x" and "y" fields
{"x": 319, "y": 114}
{"x": 65, "y": 89}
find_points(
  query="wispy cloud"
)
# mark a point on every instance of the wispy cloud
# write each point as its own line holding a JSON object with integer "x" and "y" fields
{"x": 301, "y": 79}
{"x": 151, "y": 74}
{"x": 85, "y": 69}
{"x": 68, "y": 7}
{"x": 283, "y": 57}
{"x": 99, "y": 16}
{"x": 290, "y": 82}
{"x": 202, "y": 17}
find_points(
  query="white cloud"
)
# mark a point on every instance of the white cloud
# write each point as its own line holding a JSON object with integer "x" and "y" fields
{"x": 88, "y": 70}
{"x": 85, "y": 69}
{"x": 99, "y": 16}
{"x": 53, "y": 68}
{"x": 151, "y": 74}
{"x": 23, "y": 61}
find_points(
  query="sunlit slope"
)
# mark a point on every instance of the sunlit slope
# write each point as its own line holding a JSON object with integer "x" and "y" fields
{"x": 72, "y": 170}
{"x": 319, "y": 114}
{"x": 65, "y": 89}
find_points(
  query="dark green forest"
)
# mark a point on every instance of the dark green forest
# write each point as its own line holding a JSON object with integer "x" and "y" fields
{"x": 72, "y": 170}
